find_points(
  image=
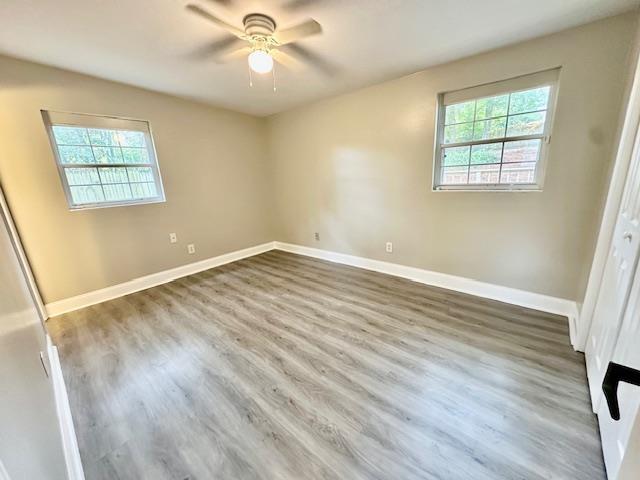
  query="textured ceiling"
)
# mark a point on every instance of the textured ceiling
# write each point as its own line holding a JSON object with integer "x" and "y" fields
{"x": 151, "y": 43}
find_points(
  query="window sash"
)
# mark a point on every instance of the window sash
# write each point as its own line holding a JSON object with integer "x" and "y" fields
{"x": 527, "y": 82}
{"x": 516, "y": 138}
{"x": 496, "y": 117}
{"x": 52, "y": 119}
{"x": 84, "y": 120}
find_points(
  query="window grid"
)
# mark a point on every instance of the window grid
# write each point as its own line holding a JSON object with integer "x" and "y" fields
{"x": 523, "y": 172}
{"x": 121, "y": 164}
{"x": 98, "y": 165}
{"x": 496, "y": 117}
{"x": 469, "y": 165}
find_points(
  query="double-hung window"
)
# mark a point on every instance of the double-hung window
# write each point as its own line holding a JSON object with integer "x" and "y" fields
{"x": 104, "y": 161}
{"x": 495, "y": 136}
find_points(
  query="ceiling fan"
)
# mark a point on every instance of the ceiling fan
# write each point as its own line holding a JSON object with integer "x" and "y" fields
{"x": 261, "y": 42}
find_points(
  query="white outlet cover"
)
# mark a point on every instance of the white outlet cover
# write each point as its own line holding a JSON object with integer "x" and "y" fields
{"x": 191, "y": 248}
{"x": 389, "y": 247}
{"x": 173, "y": 238}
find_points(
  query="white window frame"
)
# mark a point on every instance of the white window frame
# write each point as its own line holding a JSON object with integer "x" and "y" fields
{"x": 53, "y": 118}
{"x": 548, "y": 78}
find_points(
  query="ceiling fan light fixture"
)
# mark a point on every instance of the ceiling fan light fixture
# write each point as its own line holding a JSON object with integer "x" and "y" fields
{"x": 260, "y": 61}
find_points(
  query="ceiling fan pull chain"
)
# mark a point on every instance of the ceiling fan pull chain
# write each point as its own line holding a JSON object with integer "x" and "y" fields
{"x": 273, "y": 73}
{"x": 250, "y": 78}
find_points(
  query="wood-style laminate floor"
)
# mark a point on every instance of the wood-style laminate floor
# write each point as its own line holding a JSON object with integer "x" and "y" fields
{"x": 282, "y": 367}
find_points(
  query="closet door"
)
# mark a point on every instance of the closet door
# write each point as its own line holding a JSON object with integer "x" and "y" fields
{"x": 618, "y": 444}
{"x": 616, "y": 281}
{"x": 30, "y": 440}
{"x": 613, "y": 346}
{"x": 631, "y": 463}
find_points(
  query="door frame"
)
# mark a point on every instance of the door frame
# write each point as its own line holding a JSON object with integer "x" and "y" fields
{"x": 5, "y": 214}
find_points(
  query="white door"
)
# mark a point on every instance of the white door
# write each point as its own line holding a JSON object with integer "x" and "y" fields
{"x": 617, "y": 442}
{"x": 616, "y": 282}
{"x": 631, "y": 462}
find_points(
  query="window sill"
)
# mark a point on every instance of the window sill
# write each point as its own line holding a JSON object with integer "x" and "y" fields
{"x": 486, "y": 189}
{"x": 95, "y": 206}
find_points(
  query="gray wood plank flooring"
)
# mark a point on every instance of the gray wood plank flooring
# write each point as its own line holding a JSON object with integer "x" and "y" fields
{"x": 286, "y": 367}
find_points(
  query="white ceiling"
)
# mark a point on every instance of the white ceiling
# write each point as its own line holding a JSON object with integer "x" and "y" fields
{"x": 151, "y": 43}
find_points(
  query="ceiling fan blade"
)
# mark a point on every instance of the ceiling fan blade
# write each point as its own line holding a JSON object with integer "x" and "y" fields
{"x": 224, "y": 3}
{"x": 218, "y": 47}
{"x": 235, "y": 54}
{"x": 212, "y": 18}
{"x": 305, "y": 29}
{"x": 320, "y": 63}
{"x": 285, "y": 59}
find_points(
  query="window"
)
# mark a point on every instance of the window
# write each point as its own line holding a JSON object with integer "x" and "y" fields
{"x": 104, "y": 161}
{"x": 495, "y": 136}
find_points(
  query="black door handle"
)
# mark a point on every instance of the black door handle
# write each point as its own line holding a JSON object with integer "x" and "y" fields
{"x": 617, "y": 373}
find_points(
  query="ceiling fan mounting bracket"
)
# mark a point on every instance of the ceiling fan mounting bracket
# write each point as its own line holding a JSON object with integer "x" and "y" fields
{"x": 259, "y": 25}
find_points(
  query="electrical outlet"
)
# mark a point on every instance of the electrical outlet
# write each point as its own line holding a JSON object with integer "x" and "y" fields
{"x": 191, "y": 248}
{"x": 317, "y": 236}
{"x": 389, "y": 247}
{"x": 173, "y": 238}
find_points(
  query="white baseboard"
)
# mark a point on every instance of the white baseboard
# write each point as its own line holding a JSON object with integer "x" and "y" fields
{"x": 69, "y": 441}
{"x": 513, "y": 296}
{"x": 142, "y": 283}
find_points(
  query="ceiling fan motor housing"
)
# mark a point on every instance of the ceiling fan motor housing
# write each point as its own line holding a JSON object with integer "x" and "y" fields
{"x": 257, "y": 24}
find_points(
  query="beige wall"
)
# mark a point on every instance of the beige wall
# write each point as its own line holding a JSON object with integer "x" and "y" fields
{"x": 358, "y": 169}
{"x": 212, "y": 163}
